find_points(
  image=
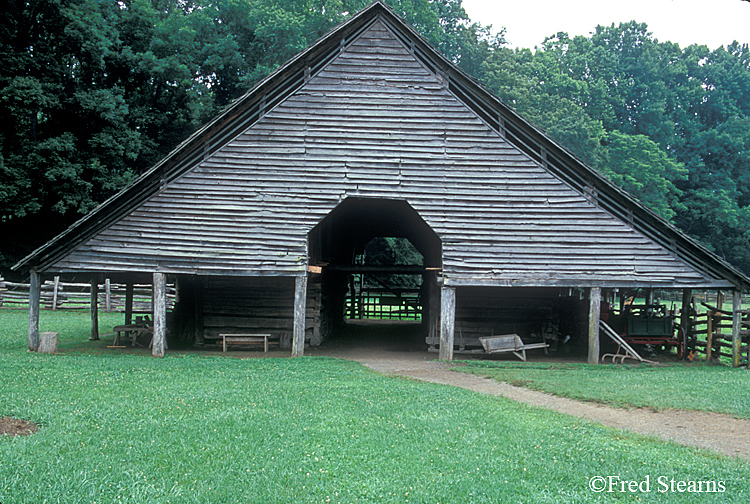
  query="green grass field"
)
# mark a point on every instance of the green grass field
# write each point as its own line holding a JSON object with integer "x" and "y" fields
{"x": 697, "y": 386}
{"x": 193, "y": 428}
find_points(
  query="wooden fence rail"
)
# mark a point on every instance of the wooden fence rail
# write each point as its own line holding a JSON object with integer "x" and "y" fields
{"x": 712, "y": 331}
{"x": 57, "y": 295}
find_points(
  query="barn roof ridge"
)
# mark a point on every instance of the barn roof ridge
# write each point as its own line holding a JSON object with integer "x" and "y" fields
{"x": 274, "y": 89}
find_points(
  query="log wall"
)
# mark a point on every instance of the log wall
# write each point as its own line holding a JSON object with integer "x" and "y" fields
{"x": 257, "y": 305}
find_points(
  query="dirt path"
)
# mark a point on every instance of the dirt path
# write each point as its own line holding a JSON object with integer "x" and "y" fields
{"x": 711, "y": 431}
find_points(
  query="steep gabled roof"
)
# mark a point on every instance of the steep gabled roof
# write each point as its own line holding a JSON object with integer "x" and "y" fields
{"x": 268, "y": 94}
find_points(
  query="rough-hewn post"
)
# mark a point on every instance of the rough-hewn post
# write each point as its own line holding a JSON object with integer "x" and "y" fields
{"x": 300, "y": 305}
{"x": 709, "y": 335}
{"x": 685, "y": 325}
{"x": 433, "y": 295}
{"x": 736, "y": 327}
{"x": 94, "y": 309}
{"x": 35, "y": 296}
{"x": 159, "y": 341}
{"x": 447, "y": 321}
{"x": 107, "y": 295}
{"x": 595, "y": 302}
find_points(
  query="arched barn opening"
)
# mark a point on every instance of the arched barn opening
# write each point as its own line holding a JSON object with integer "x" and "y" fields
{"x": 376, "y": 263}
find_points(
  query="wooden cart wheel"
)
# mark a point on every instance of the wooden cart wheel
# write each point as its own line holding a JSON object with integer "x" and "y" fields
{"x": 681, "y": 343}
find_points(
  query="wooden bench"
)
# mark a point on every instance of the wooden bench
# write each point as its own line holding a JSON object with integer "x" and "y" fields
{"x": 244, "y": 339}
{"x": 509, "y": 343}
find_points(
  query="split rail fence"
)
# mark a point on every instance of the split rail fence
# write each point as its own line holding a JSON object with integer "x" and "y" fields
{"x": 712, "y": 333}
{"x": 57, "y": 295}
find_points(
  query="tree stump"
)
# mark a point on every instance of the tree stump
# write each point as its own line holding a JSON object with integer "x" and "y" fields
{"x": 48, "y": 342}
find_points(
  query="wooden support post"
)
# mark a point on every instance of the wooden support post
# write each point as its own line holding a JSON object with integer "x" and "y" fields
{"x": 129, "y": 302}
{"x": 94, "y": 309}
{"x": 107, "y": 296}
{"x": 595, "y": 301}
{"x": 433, "y": 303}
{"x": 687, "y": 296}
{"x": 447, "y": 322}
{"x": 300, "y": 305}
{"x": 709, "y": 334}
{"x": 159, "y": 341}
{"x": 35, "y": 296}
{"x": 736, "y": 327}
{"x": 54, "y": 293}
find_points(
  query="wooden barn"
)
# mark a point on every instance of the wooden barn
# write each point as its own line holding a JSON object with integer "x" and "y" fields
{"x": 261, "y": 217}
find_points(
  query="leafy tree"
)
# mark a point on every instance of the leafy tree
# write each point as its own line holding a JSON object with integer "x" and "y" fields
{"x": 639, "y": 166}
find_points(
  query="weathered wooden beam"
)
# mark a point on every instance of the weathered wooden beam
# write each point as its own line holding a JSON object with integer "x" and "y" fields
{"x": 107, "y": 296}
{"x": 385, "y": 270}
{"x": 595, "y": 301}
{"x": 433, "y": 304}
{"x": 447, "y": 322}
{"x": 35, "y": 295}
{"x": 687, "y": 298}
{"x": 159, "y": 341}
{"x": 54, "y": 292}
{"x": 94, "y": 309}
{"x": 736, "y": 327}
{"x": 300, "y": 303}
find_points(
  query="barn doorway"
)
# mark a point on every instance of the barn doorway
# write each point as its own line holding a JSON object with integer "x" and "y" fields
{"x": 376, "y": 262}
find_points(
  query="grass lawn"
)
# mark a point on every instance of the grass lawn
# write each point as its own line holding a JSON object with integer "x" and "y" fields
{"x": 697, "y": 386}
{"x": 193, "y": 428}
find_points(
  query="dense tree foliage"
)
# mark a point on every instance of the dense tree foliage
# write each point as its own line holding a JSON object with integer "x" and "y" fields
{"x": 93, "y": 92}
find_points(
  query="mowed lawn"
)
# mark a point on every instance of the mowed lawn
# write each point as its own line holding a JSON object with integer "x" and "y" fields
{"x": 698, "y": 386}
{"x": 211, "y": 429}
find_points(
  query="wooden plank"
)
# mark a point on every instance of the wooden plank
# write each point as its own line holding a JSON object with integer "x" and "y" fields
{"x": 34, "y": 302}
{"x": 447, "y": 322}
{"x": 300, "y": 301}
{"x": 595, "y": 299}
{"x": 159, "y": 340}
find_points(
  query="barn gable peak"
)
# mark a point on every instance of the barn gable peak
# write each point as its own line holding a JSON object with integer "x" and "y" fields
{"x": 441, "y": 77}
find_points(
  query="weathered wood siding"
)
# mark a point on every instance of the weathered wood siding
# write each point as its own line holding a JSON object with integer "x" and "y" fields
{"x": 257, "y": 304}
{"x": 377, "y": 123}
